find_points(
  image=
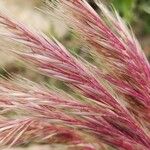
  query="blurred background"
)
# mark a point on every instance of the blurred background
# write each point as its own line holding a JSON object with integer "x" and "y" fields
{"x": 135, "y": 12}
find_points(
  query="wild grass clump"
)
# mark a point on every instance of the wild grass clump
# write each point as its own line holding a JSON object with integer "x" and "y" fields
{"x": 113, "y": 107}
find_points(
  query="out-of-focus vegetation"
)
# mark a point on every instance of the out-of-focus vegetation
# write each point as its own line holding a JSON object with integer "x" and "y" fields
{"x": 136, "y": 12}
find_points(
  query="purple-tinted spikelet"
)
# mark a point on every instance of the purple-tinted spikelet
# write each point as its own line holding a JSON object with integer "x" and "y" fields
{"x": 45, "y": 115}
{"x": 109, "y": 36}
{"x": 31, "y": 129}
{"x": 101, "y": 114}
